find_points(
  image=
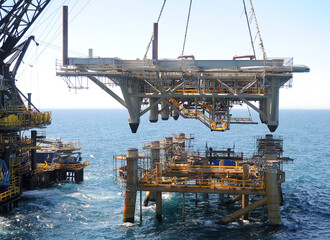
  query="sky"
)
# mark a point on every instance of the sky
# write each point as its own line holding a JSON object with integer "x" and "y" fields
{"x": 297, "y": 29}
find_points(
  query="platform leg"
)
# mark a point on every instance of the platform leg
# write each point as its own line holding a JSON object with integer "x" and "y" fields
{"x": 272, "y": 193}
{"x": 245, "y": 197}
{"x": 159, "y": 206}
{"x": 205, "y": 196}
{"x": 183, "y": 210}
{"x": 140, "y": 206}
{"x": 132, "y": 176}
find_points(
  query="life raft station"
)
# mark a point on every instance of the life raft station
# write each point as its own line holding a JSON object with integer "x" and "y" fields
{"x": 205, "y": 90}
{"x": 170, "y": 166}
{"x": 27, "y": 161}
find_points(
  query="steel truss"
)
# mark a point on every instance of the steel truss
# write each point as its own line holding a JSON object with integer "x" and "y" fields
{"x": 202, "y": 89}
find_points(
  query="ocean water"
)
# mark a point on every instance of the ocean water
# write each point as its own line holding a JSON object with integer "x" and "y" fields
{"x": 94, "y": 208}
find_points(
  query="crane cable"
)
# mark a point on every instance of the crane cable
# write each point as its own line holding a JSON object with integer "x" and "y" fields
{"x": 258, "y": 32}
{"x": 185, "y": 35}
{"x": 55, "y": 34}
{"x": 148, "y": 46}
{"x": 248, "y": 23}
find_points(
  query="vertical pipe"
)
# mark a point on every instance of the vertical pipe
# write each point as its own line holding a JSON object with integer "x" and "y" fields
{"x": 153, "y": 112}
{"x": 183, "y": 213}
{"x": 133, "y": 104}
{"x": 159, "y": 204}
{"x": 165, "y": 110}
{"x": 168, "y": 148}
{"x": 273, "y": 106}
{"x": 155, "y": 43}
{"x": 29, "y": 101}
{"x": 245, "y": 197}
{"x": 90, "y": 53}
{"x": 154, "y": 159}
{"x": 270, "y": 150}
{"x": 155, "y": 154}
{"x": 65, "y": 36}
{"x": 131, "y": 187}
{"x": 140, "y": 206}
{"x": 175, "y": 113}
{"x": 221, "y": 196}
{"x": 33, "y": 151}
{"x": 274, "y": 214}
{"x": 205, "y": 196}
{"x": 182, "y": 140}
{"x": 159, "y": 170}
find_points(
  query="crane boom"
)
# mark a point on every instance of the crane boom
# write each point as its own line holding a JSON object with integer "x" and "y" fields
{"x": 16, "y": 18}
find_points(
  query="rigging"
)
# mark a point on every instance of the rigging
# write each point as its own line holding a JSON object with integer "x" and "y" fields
{"x": 148, "y": 46}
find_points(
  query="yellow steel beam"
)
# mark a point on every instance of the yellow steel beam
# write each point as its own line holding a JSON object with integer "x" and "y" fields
{"x": 191, "y": 189}
{"x": 243, "y": 211}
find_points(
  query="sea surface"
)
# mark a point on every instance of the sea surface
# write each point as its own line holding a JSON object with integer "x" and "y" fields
{"x": 94, "y": 208}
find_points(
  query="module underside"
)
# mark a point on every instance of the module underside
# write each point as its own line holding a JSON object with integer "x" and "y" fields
{"x": 200, "y": 89}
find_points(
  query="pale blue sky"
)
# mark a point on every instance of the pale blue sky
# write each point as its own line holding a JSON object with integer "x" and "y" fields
{"x": 217, "y": 30}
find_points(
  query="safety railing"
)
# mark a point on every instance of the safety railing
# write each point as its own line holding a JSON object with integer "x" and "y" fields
{"x": 200, "y": 168}
{"x": 45, "y": 167}
{"x": 10, "y": 193}
{"x": 218, "y": 90}
{"x": 8, "y": 139}
{"x": 74, "y": 167}
{"x": 30, "y": 119}
{"x": 190, "y": 113}
{"x": 215, "y": 183}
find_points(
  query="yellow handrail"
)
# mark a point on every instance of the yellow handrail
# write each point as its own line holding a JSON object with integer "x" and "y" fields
{"x": 188, "y": 113}
{"x": 217, "y": 183}
{"x": 32, "y": 118}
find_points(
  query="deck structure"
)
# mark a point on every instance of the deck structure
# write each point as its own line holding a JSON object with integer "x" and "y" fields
{"x": 197, "y": 89}
{"x": 223, "y": 173}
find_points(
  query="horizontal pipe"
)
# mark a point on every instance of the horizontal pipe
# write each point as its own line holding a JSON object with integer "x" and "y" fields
{"x": 243, "y": 211}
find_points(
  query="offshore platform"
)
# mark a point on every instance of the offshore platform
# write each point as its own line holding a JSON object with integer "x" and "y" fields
{"x": 26, "y": 162}
{"x": 172, "y": 166}
{"x": 205, "y": 90}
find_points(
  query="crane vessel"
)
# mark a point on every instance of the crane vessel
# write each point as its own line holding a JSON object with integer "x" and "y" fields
{"x": 26, "y": 162}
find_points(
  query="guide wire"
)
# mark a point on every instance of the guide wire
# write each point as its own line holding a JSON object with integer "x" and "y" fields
{"x": 148, "y": 46}
{"x": 258, "y": 32}
{"x": 185, "y": 35}
{"x": 248, "y": 23}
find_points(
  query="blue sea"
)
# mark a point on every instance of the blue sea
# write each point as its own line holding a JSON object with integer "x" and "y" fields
{"x": 94, "y": 208}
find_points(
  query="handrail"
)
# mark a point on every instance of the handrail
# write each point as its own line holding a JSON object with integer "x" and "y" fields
{"x": 216, "y": 183}
{"x": 10, "y": 193}
{"x": 187, "y": 113}
{"x": 31, "y": 118}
